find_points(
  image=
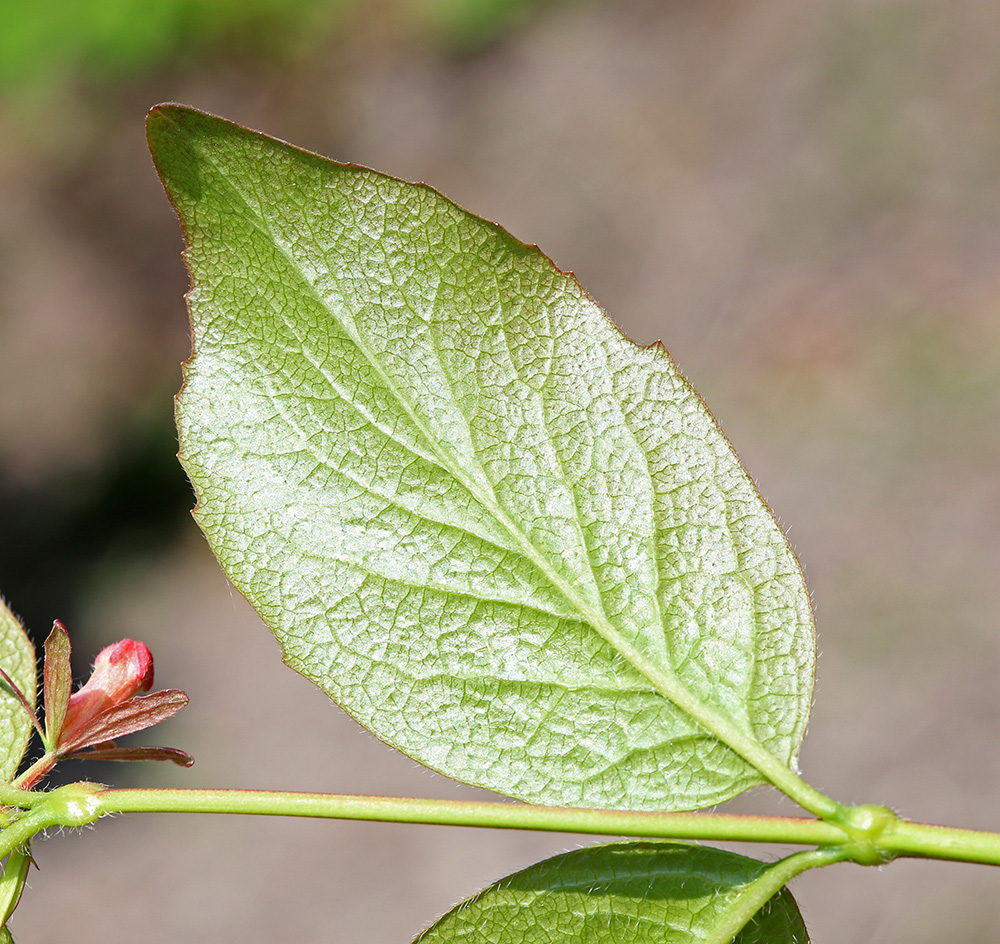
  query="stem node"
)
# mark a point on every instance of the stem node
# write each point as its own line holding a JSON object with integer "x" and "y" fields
{"x": 866, "y": 826}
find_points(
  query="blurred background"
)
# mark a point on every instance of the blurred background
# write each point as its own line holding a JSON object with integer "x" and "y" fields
{"x": 801, "y": 198}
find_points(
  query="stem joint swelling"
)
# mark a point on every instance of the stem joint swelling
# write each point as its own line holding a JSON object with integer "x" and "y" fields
{"x": 866, "y": 825}
{"x": 75, "y": 804}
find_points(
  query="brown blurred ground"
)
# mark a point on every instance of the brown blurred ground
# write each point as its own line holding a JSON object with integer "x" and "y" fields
{"x": 801, "y": 199}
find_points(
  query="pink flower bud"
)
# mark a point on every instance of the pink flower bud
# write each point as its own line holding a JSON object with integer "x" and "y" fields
{"x": 120, "y": 671}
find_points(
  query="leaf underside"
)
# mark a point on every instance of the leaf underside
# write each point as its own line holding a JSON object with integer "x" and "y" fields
{"x": 17, "y": 659}
{"x": 495, "y": 530}
{"x": 656, "y": 892}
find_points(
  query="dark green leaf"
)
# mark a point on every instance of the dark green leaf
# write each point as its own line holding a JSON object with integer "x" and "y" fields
{"x": 639, "y": 892}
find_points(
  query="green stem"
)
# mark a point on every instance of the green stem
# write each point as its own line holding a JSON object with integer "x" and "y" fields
{"x": 923, "y": 840}
{"x": 759, "y": 892}
{"x": 20, "y": 832}
{"x": 713, "y": 826}
{"x": 895, "y": 838}
{"x": 869, "y": 835}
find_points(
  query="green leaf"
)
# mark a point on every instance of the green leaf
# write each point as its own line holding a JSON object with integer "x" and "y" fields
{"x": 15, "y": 874}
{"x": 656, "y": 892}
{"x": 504, "y": 537}
{"x": 17, "y": 659}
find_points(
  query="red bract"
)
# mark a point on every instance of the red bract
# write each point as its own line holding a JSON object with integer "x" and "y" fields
{"x": 120, "y": 671}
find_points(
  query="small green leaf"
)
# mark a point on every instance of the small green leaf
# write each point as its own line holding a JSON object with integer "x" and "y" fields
{"x": 656, "y": 892}
{"x": 17, "y": 659}
{"x": 507, "y": 539}
{"x": 57, "y": 675}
